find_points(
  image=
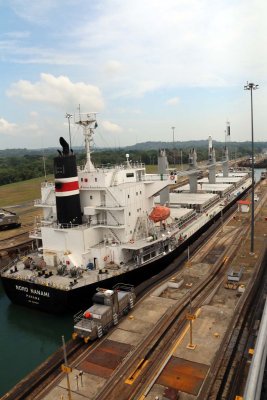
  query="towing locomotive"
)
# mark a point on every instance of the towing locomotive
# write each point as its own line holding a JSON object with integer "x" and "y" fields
{"x": 108, "y": 307}
{"x": 8, "y": 220}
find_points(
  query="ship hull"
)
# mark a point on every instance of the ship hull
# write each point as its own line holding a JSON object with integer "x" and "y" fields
{"x": 55, "y": 300}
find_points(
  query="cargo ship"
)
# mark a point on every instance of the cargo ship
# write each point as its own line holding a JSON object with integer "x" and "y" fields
{"x": 104, "y": 225}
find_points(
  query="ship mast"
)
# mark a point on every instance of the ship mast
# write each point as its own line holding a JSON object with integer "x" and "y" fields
{"x": 88, "y": 122}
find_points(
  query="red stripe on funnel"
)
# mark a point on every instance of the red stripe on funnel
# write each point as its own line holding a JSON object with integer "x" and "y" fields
{"x": 67, "y": 186}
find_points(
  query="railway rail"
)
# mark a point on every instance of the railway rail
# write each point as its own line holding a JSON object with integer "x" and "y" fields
{"x": 153, "y": 351}
{"x": 166, "y": 324}
{"x": 171, "y": 325}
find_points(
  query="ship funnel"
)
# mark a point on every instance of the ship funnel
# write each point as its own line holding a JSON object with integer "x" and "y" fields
{"x": 67, "y": 187}
{"x": 65, "y": 146}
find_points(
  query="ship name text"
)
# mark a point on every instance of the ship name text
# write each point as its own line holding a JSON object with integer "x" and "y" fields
{"x": 33, "y": 291}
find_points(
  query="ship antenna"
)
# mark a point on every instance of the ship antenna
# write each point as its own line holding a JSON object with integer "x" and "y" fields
{"x": 88, "y": 122}
{"x": 69, "y": 116}
{"x": 44, "y": 166}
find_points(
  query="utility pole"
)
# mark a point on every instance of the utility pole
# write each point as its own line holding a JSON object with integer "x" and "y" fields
{"x": 251, "y": 87}
{"x": 191, "y": 317}
{"x": 173, "y": 127}
{"x": 65, "y": 368}
{"x": 69, "y": 116}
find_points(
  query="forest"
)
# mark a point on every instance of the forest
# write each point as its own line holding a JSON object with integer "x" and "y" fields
{"x": 23, "y": 164}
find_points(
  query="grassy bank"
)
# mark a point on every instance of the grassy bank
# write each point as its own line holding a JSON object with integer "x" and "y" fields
{"x": 21, "y": 192}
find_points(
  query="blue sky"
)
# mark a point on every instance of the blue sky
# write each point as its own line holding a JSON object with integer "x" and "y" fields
{"x": 144, "y": 65}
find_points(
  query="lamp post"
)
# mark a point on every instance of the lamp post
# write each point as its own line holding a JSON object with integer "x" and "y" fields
{"x": 251, "y": 87}
{"x": 173, "y": 127}
{"x": 69, "y": 116}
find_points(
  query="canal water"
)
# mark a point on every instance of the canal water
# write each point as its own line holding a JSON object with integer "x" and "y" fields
{"x": 28, "y": 337}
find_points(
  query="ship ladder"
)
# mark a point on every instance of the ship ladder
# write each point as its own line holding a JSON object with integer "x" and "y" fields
{"x": 99, "y": 331}
{"x": 131, "y": 302}
{"x": 115, "y": 319}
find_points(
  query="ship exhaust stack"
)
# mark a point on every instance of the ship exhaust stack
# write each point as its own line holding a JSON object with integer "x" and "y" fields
{"x": 67, "y": 187}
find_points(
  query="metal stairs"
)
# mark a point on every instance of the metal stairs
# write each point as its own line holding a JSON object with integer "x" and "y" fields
{"x": 115, "y": 235}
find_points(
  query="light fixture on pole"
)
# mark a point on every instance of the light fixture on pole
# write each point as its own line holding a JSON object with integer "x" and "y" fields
{"x": 173, "y": 127}
{"x": 69, "y": 116}
{"x": 251, "y": 87}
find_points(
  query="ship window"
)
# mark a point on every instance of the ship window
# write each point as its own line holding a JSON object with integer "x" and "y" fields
{"x": 95, "y": 179}
{"x": 140, "y": 191}
{"x": 129, "y": 175}
{"x": 128, "y": 196}
{"x": 82, "y": 179}
{"x": 131, "y": 232}
{"x": 129, "y": 214}
{"x": 86, "y": 180}
{"x": 91, "y": 197}
{"x": 136, "y": 193}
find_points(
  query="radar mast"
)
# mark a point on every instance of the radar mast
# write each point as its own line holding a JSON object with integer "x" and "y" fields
{"x": 88, "y": 122}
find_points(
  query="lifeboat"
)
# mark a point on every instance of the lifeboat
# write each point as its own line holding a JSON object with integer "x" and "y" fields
{"x": 159, "y": 213}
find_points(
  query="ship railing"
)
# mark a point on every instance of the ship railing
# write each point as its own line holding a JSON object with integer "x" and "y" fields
{"x": 40, "y": 201}
{"x": 18, "y": 258}
{"x": 108, "y": 167}
{"x": 47, "y": 184}
{"x": 56, "y": 225}
{"x": 155, "y": 177}
{"x": 105, "y": 223}
{"x": 35, "y": 233}
{"x": 106, "y": 205}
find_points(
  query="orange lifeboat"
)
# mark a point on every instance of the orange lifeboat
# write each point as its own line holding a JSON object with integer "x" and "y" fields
{"x": 159, "y": 213}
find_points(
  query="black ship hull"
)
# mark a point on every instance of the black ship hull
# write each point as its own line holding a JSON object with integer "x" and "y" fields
{"x": 55, "y": 300}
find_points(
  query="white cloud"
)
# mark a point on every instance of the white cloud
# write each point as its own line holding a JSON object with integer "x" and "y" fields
{"x": 177, "y": 42}
{"x": 7, "y": 127}
{"x": 173, "y": 101}
{"x": 59, "y": 91}
{"x": 21, "y": 130}
{"x": 111, "y": 127}
{"x": 113, "y": 67}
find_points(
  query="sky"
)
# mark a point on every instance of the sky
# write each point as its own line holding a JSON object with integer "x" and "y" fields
{"x": 144, "y": 66}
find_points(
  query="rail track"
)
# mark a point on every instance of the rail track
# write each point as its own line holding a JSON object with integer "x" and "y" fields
{"x": 168, "y": 325}
{"x": 38, "y": 383}
{"x": 158, "y": 343}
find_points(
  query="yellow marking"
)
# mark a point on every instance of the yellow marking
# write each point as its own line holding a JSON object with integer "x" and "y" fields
{"x": 86, "y": 339}
{"x": 238, "y": 397}
{"x": 65, "y": 368}
{"x": 190, "y": 317}
{"x": 184, "y": 332}
{"x": 251, "y": 351}
{"x": 225, "y": 259}
{"x": 142, "y": 364}
{"x": 74, "y": 335}
{"x": 186, "y": 329}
